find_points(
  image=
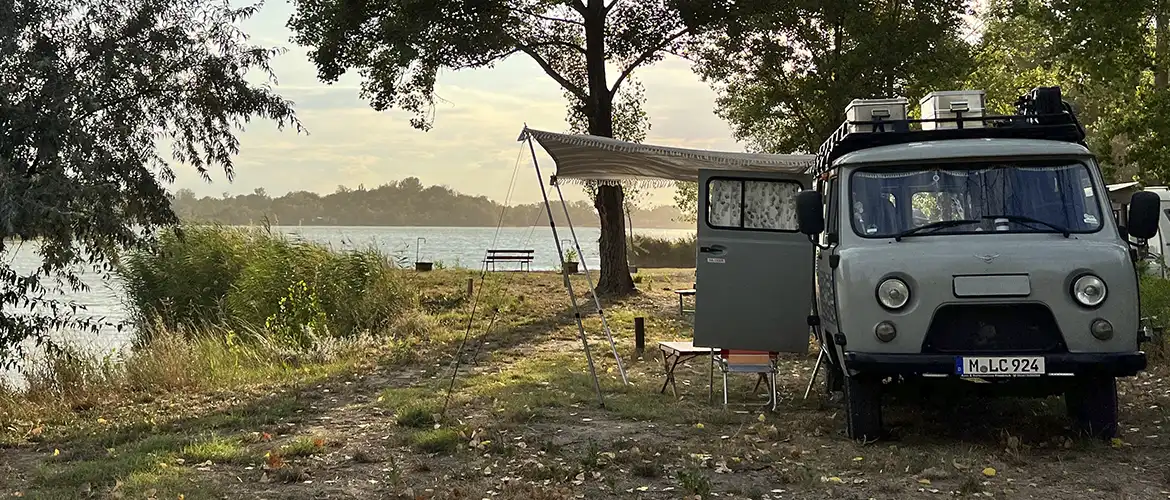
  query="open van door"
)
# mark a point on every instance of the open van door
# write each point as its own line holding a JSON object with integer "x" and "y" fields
{"x": 754, "y": 275}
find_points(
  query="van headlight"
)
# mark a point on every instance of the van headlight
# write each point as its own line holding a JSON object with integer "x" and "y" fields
{"x": 893, "y": 293}
{"x": 1089, "y": 290}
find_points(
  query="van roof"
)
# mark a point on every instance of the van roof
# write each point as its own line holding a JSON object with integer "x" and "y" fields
{"x": 962, "y": 148}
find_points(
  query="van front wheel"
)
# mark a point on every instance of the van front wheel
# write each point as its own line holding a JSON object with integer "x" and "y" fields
{"x": 863, "y": 412}
{"x": 1093, "y": 403}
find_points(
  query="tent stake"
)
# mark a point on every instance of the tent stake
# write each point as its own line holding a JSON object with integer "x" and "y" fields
{"x": 592, "y": 289}
{"x": 565, "y": 273}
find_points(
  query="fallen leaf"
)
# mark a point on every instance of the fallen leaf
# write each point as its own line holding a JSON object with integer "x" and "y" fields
{"x": 699, "y": 425}
{"x": 1116, "y": 442}
{"x": 924, "y": 481}
{"x": 858, "y": 459}
{"x": 832, "y": 479}
{"x": 989, "y": 472}
{"x": 761, "y": 417}
{"x": 56, "y": 452}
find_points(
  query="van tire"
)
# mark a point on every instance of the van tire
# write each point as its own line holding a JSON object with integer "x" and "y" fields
{"x": 1093, "y": 401}
{"x": 833, "y": 379}
{"x": 863, "y": 408}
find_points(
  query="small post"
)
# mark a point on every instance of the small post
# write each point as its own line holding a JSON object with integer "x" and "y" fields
{"x": 470, "y": 286}
{"x": 639, "y": 336}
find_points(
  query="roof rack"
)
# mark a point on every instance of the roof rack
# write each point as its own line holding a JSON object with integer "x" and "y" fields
{"x": 1038, "y": 117}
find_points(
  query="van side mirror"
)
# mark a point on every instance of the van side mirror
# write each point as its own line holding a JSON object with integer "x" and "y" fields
{"x": 1143, "y": 214}
{"x": 810, "y": 212}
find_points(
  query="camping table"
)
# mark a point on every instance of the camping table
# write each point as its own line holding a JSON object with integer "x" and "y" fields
{"x": 676, "y": 353}
{"x": 689, "y": 292}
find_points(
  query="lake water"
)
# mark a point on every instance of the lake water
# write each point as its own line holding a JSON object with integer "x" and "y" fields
{"x": 453, "y": 246}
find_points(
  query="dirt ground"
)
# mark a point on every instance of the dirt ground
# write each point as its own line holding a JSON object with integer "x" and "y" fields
{"x": 523, "y": 421}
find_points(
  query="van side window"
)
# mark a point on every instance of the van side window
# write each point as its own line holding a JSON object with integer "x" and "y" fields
{"x": 831, "y": 209}
{"x": 766, "y": 205}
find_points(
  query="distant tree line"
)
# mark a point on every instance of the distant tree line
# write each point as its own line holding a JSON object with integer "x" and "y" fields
{"x": 398, "y": 203}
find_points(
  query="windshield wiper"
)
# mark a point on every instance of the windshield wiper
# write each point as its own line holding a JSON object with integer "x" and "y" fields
{"x": 934, "y": 225}
{"x": 1025, "y": 219}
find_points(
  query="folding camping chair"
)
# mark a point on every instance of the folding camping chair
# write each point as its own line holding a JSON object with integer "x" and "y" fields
{"x": 759, "y": 362}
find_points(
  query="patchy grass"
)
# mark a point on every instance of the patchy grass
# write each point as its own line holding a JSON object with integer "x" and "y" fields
{"x": 441, "y": 440}
{"x": 417, "y": 416}
{"x": 303, "y": 446}
{"x": 216, "y": 449}
{"x": 523, "y": 421}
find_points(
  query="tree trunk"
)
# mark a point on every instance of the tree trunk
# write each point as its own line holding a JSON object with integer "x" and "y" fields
{"x": 615, "y": 276}
{"x": 1161, "y": 69}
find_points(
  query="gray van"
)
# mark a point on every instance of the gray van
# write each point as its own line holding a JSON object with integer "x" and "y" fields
{"x": 957, "y": 246}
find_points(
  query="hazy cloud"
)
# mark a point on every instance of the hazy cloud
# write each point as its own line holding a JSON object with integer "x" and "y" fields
{"x": 472, "y": 147}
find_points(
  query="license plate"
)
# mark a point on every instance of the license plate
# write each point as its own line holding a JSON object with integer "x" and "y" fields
{"x": 1014, "y": 366}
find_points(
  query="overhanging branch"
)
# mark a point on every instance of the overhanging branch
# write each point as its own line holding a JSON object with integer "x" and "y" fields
{"x": 642, "y": 58}
{"x": 574, "y": 89}
{"x": 543, "y": 17}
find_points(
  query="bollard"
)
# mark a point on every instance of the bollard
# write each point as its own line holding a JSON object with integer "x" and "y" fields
{"x": 639, "y": 337}
{"x": 470, "y": 287}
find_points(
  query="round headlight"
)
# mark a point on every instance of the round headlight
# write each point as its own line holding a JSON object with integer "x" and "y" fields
{"x": 893, "y": 293}
{"x": 1089, "y": 290}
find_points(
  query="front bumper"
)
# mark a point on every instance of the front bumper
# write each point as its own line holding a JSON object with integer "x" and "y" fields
{"x": 1123, "y": 364}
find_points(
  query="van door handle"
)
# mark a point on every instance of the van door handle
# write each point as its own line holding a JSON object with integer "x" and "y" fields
{"x": 712, "y": 249}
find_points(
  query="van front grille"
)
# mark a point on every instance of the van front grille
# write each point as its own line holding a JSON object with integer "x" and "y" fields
{"x": 993, "y": 328}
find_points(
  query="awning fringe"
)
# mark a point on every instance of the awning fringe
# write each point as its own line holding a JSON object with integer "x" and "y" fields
{"x": 639, "y": 183}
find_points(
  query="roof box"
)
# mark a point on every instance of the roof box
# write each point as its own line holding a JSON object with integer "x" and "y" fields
{"x": 951, "y": 104}
{"x": 872, "y": 110}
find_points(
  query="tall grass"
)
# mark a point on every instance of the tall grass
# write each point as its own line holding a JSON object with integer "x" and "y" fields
{"x": 649, "y": 252}
{"x": 252, "y": 279}
{"x": 1155, "y": 301}
{"x": 59, "y": 383}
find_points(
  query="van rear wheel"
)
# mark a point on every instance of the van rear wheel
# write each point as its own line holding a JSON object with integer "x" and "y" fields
{"x": 1093, "y": 404}
{"x": 863, "y": 407}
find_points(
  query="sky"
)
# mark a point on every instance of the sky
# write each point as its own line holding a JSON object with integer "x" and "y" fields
{"x": 472, "y": 147}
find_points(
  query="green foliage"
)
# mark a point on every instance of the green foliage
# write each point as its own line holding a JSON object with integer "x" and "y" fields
{"x": 86, "y": 92}
{"x": 650, "y": 252}
{"x": 245, "y": 278}
{"x": 686, "y": 200}
{"x": 300, "y": 319}
{"x": 1117, "y": 77}
{"x": 785, "y": 75}
{"x": 396, "y": 203}
{"x": 571, "y": 255}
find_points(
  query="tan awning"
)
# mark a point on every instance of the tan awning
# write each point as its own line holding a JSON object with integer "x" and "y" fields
{"x": 586, "y": 157}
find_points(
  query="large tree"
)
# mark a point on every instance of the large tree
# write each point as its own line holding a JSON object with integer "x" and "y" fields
{"x": 785, "y": 74}
{"x": 400, "y": 46}
{"x": 87, "y": 90}
{"x": 1114, "y": 60}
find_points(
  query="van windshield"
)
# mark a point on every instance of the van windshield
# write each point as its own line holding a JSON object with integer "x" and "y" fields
{"x": 992, "y": 197}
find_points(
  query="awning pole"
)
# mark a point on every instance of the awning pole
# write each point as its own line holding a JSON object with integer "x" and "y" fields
{"x": 565, "y": 273}
{"x": 592, "y": 289}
